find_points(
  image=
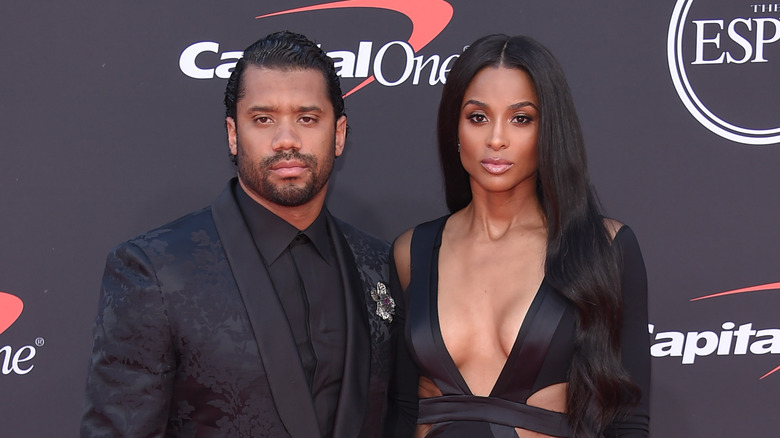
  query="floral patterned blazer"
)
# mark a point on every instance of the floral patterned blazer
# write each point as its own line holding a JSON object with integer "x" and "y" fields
{"x": 190, "y": 339}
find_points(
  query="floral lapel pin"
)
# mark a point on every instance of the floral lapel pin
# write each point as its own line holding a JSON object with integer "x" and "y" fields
{"x": 385, "y": 304}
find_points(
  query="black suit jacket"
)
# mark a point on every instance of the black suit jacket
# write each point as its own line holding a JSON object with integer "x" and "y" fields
{"x": 191, "y": 340}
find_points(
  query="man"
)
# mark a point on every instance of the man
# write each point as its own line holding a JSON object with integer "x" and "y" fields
{"x": 260, "y": 315}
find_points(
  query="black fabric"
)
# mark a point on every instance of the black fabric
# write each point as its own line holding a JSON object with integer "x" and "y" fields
{"x": 190, "y": 339}
{"x": 540, "y": 357}
{"x": 306, "y": 278}
{"x": 443, "y": 411}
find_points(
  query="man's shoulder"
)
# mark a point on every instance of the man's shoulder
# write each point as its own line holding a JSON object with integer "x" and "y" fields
{"x": 358, "y": 238}
{"x": 193, "y": 229}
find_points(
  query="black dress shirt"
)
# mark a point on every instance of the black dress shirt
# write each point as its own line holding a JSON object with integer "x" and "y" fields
{"x": 305, "y": 272}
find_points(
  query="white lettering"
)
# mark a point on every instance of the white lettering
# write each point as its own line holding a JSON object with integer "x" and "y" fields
{"x": 11, "y": 361}
{"x": 363, "y": 59}
{"x": 419, "y": 65}
{"x": 739, "y": 39}
{"x": 700, "y": 41}
{"x": 18, "y": 358}
{"x": 693, "y": 349}
{"x": 348, "y": 64}
{"x": 189, "y": 55}
{"x": 743, "y": 335}
{"x": 223, "y": 71}
{"x": 760, "y": 41}
{"x": 724, "y": 345}
{"x": 703, "y": 27}
{"x": 764, "y": 346}
{"x": 344, "y": 61}
{"x": 695, "y": 344}
{"x": 674, "y": 347}
{"x": 445, "y": 68}
{"x": 6, "y": 351}
{"x": 407, "y": 70}
{"x": 767, "y": 7}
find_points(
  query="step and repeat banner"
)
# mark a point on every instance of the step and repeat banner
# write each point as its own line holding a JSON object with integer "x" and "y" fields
{"x": 113, "y": 123}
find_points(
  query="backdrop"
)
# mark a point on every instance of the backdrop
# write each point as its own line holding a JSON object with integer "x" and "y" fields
{"x": 112, "y": 123}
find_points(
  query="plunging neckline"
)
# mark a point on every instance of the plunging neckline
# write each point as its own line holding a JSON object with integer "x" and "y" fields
{"x": 504, "y": 377}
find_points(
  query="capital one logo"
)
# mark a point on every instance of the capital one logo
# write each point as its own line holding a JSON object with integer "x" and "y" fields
{"x": 731, "y": 339}
{"x": 10, "y": 309}
{"x": 724, "y": 60}
{"x": 428, "y": 18}
{"x": 14, "y": 362}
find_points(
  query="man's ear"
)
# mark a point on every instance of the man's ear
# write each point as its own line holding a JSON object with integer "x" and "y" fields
{"x": 341, "y": 134}
{"x": 232, "y": 136}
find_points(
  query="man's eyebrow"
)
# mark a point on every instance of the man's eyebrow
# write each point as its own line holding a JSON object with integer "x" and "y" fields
{"x": 270, "y": 108}
{"x": 309, "y": 109}
{"x": 261, "y": 109}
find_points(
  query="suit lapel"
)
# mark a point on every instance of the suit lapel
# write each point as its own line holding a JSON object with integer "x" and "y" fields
{"x": 275, "y": 342}
{"x": 354, "y": 385}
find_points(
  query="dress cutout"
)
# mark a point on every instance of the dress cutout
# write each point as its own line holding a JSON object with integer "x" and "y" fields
{"x": 459, "y": 413}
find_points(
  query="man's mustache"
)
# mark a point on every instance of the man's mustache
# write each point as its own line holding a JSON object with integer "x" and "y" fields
{"x": 308, "y": 160}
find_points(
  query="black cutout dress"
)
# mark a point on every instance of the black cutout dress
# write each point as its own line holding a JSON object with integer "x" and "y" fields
{"x": 540, "y": 356}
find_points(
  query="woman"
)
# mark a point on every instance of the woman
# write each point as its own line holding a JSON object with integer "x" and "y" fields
{"x": 525, "y": 309}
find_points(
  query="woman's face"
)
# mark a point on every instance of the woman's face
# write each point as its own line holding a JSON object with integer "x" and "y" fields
{"x": 498, "y": 129}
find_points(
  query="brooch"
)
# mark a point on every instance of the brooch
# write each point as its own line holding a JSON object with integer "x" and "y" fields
{"x": 385, "y": 304}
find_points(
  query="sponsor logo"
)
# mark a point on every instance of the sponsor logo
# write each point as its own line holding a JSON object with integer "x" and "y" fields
{"x": 731, "y": 339}
{"x": 428, "y": 17}
{"x": 724, "y": 60}
{"x": 10, "y": 309}
{"x": 14, "y": 361}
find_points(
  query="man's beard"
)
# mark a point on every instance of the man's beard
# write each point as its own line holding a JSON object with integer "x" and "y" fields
{"x": 256, "y": 176}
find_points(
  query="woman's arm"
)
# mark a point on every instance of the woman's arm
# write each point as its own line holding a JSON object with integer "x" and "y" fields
{"x": 635, "y": 340}
{"x": 402, "y": 413}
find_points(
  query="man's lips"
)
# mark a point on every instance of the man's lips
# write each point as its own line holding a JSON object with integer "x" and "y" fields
{"x": 496, "y": 166}
{"x": 288, "y": 169}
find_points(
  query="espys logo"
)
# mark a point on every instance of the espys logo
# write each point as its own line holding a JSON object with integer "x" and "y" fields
{"x": 724, "y": 59}
{"x": 14, "y": 362}
{"x": 428, "y": 17}
{"x": 745, "y": 339}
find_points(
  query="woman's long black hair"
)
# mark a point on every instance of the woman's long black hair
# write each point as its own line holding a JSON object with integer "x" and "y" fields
{"x": 580, "y": 263}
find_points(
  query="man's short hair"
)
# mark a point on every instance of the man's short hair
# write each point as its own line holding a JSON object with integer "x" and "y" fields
{"x": 286, "y": 51}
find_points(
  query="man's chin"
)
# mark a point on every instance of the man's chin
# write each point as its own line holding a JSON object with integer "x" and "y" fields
{"x": 291, "y": 195}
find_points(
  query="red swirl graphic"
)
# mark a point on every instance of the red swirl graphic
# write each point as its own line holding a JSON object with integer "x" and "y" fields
{"x": 428, "y": 17}
{"x": 10, "y": 309}
{"x": 761, "y": 287}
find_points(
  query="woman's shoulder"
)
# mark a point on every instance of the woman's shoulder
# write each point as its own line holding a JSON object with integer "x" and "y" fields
{"x": 620, "y": 233}
{"x": 613, "y": 226}
{"x": 404, "y": 240}
{"x": 402, "y": 244}
{"x": 402, "y": 247}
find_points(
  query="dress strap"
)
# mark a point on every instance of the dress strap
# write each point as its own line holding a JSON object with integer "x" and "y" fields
{"x": 420, "y": 335}
{"x": 523, "y": 365}
{"x": 493, "y": 410}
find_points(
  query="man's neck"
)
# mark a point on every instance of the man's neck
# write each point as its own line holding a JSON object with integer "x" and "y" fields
{"x": 300, "y": 216}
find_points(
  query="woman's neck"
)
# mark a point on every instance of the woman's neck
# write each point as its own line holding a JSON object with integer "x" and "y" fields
{"x": 493, "y": 215}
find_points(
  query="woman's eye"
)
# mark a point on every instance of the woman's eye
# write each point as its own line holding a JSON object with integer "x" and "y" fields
{"x": 477, "y": 118}
{"x": 522, "y": 119}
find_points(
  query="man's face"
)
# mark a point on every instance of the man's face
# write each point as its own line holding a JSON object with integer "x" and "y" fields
{"x": 285, "y": 135}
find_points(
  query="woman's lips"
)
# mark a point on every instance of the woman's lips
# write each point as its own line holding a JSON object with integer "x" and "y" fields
{"x": 496, "y": 166}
